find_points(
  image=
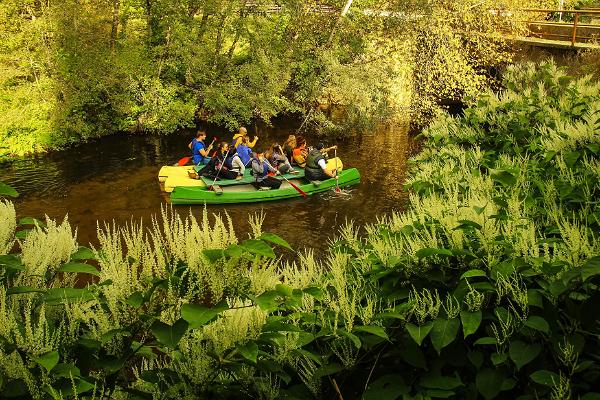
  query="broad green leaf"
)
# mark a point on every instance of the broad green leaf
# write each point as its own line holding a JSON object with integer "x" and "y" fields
{"x": 590, "y": 268}
{"x": 522, "y": 353}
{"x": 538, "y": 323}
{"x": 142, "y": 351}
{"x": 372, "y": 329}
{"x": 111, "y": 334}
{"x": 582, "y": 366}
{"x": 234, "y": 250}
{"x": 504, "y": 177}
{"x": 438, "y": 394}
{"x": 32, "y": 221}
{"x": 47, "y": 360}
{"x": 571, "y": 158}
{"x": 66, "y": 370}
{"x": 83, "y": 253}
{"x": 387, "y": 387}
{"x": 284, "y": 290}
{"x": 79, "y": 268}
{"x": 419, "y": 333}
{"x": 268, "y": 301}
{"x": 315, "y": 292}
{"x": 498, "y": 358}
{"x": 110, "y": 363}
{"x": 508, "y": 384}
{"x": 249, "y": 351}
{"x": 470, "y": 322}
{"x": 545, "y": 377}
{"x": 432, "y": 381}
{"x": 430, "y": 251}
{"x": 198, "y": 315}
{"x": 23, "y": 289}
{"x": 22, "y": 234}
{"x": 591, "y": 396}
{"x": 353, "y": 338}
{"x": 486, "y": 341}
{"x": 258, "y": 247}
{"x": 169, "y": 335}
{"x": 6, "y": 190}
{"x": 135, "y": 300}
{"x": 279, "y": 326}
{"x": 473, "y": 273}
{"x": 67, "y": 295}
{"x": 90, "y": 343}
{"x": 476, "y": 358}
{"x": 466, "y": 224}
{"x": 12, "y": 261}
{"x": 443, "y": 333}
{"x": 327, "y": 369}
{"x": 213, "y": 255}
{"x": 271, "y": 237}
{"x": 534, "y": 298}
{"x": 489, "y": 382}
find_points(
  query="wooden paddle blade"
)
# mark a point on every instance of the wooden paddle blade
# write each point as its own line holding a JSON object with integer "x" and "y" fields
{"x": 183, "y": 161}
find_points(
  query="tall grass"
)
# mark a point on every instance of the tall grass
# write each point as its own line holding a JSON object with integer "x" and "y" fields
{"x": 486, "y": 287}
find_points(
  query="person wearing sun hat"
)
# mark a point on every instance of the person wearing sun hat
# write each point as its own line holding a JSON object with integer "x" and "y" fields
{"x": 237, "y": 138}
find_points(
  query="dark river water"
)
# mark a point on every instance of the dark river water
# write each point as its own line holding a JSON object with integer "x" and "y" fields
{"x": 115, "y": 179}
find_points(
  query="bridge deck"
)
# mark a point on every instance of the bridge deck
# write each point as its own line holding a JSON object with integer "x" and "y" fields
{"x": 556, "y": 44}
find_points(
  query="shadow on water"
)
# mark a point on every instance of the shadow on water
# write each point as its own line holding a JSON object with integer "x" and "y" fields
{"x": 115, "y": 179}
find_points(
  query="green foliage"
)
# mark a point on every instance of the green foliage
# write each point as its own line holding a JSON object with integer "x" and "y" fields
{"x": 486, "y": 287}
{"x": 73, "y": 71}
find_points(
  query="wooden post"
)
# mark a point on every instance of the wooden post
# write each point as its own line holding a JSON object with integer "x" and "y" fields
{"x": 574, "y": 39}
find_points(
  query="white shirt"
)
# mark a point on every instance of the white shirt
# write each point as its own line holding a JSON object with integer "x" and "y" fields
{"x": 322, "y": 163}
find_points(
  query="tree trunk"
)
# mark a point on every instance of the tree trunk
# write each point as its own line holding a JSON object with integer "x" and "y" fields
{"x": 115, "y": 23}
{"x": 337, "y": 22}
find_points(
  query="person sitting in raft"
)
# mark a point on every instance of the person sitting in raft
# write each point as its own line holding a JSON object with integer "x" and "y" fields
{"x": 288, "y": 146}
{"x": 199, "y": 150}
{"x": 238, "y": 137}
{"x": 316, "y": 166}
{"x": 244, "y": 150}
{"x": 260, "y": 171}
{"x": 278, "y": 160}
{"x": 216, "y": 168}
{"x": 300, "y": 152}
{"x": 235, "y": 163}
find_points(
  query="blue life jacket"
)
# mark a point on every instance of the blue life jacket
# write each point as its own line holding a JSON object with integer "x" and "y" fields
{"x": 229, "y": 161}
{"x": 196, "y": 147}
{"x": 245, "y": 153}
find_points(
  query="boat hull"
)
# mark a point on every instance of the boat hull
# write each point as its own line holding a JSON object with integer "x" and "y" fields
{"x": 249, "y": 194}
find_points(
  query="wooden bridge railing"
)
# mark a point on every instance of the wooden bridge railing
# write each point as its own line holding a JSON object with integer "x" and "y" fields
{"x": 574, "y": 27}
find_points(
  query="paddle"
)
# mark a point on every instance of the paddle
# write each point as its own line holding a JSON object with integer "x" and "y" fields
{"x": 303, "y": 193}
{"x": 212, "y": 187}
{"x": 185, "y": 160}
{"x": 337, "y": 178}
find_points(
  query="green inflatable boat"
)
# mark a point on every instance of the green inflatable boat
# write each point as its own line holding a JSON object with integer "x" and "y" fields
{"x": 247, "y": 193}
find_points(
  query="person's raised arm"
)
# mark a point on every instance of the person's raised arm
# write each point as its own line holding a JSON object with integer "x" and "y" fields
{"x": 204, "y": 152}
{"x": 253, "y": 142}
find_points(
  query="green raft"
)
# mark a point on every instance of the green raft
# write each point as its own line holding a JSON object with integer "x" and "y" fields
{"x": 247, "y": 193}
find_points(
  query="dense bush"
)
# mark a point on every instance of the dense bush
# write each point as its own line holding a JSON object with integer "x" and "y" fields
{"x": 486, "y": 287}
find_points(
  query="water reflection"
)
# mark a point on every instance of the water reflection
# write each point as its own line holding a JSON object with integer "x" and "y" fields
{"x": 115, "y": 179}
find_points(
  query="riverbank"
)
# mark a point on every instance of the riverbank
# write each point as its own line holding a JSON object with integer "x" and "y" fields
{"x": 486, "y": 286}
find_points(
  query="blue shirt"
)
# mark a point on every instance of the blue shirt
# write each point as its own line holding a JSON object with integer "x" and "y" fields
{"x": 245, "y": 153}
{"x": 196, "y": 147}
